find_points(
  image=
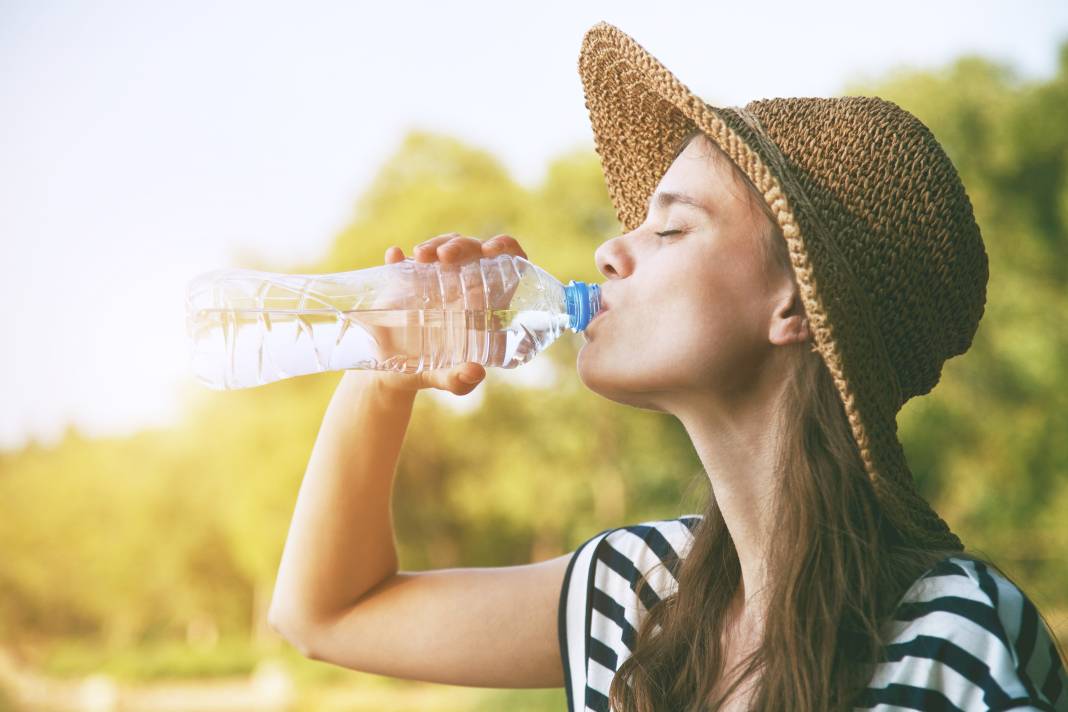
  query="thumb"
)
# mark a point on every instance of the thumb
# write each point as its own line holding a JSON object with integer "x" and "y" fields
{"x": 459, "y": 380}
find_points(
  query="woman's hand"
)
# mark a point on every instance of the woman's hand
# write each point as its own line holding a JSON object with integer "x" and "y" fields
{"x": 449, "y": 249}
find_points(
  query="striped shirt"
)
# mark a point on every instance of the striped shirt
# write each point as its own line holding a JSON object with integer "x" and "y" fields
{"x": 964, "y": 637}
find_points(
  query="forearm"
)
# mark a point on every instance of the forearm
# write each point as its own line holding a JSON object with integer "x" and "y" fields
{"x": 340, "y": 542}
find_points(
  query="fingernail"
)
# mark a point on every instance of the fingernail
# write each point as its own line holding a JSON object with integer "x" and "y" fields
{"x": 468, "y": 378}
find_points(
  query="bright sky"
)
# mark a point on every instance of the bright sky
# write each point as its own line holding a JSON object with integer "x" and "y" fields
{"x": 143, "y": 143}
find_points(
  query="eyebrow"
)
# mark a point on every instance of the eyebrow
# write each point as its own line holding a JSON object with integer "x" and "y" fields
{"x": 667, "y": 198}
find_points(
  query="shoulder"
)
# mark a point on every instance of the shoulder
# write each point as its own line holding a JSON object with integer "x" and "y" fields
{"x": 666, "y": 538}
{"x": 603, "y": 599}
{"x": 967, "y": 633}
{"x": 961, "y": 596}
{"x": 617, "y": 558}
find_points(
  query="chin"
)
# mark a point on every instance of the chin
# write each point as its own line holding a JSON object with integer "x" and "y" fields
{"x": 619, "y": 385}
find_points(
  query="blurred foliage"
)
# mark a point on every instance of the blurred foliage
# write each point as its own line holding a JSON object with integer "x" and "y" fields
{"x": 176, "y": 535}
{"x": 163, "y": 660}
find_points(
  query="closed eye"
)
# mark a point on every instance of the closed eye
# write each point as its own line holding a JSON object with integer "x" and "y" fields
{"x": 668, "y": 232}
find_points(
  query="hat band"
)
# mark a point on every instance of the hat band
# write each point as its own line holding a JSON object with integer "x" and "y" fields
{"x": 797, "y": 195}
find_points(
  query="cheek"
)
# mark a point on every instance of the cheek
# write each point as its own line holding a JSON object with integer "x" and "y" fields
{"x": 727, "y": 325}
{"x": 699, "y": 332}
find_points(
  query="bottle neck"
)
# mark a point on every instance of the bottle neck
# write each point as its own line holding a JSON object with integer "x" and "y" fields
{"x": 583, "y": 302}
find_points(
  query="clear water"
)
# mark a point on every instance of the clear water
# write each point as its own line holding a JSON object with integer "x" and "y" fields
{"x": 240, "y": 348}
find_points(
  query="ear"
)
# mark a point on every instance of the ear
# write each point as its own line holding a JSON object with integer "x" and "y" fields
{"x": 789, "y": 325}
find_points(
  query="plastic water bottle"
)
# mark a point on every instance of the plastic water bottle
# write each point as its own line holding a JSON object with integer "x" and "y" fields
{"x": 248, "y": 328}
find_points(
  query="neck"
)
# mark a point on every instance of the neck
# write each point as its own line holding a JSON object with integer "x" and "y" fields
{"x": 738, "y": 447}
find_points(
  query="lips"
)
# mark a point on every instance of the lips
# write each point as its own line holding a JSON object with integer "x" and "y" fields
{"x": 604, "y": 304}
{"x": 602, "y": 310}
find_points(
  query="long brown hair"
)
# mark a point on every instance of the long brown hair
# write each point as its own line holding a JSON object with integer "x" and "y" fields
{"x": 840, "y": 568}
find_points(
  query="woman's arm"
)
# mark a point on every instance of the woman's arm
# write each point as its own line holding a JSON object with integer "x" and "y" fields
{"x": 340, "y": 543}
{"x": 340, "y": 598}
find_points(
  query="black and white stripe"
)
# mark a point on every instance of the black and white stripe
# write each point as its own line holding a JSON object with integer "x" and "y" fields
{"x": 963, "y": 638}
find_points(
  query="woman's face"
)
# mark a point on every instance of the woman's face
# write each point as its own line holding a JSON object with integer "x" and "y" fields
{"x": 689, "y": 312}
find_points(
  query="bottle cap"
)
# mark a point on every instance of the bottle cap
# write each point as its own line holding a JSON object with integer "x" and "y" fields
{"x": 583, "y": 303}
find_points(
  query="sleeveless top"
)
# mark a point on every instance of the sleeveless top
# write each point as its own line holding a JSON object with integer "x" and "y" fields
{"x": 963, "y": 636}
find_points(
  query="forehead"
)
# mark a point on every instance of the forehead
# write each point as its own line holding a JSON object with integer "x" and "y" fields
{"x": 700, "y": 171}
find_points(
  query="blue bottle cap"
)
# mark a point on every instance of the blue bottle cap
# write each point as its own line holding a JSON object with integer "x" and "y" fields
{"x": 583, "y": 302}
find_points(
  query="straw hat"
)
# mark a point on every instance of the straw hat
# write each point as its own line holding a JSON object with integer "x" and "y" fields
{"x": 884, "y": 245}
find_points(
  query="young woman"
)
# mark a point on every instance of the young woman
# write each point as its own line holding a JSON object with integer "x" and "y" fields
{"x": 819, "y": 261}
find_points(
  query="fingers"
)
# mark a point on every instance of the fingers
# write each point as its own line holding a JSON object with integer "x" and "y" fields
{"x": 455, "y": 248}
{"x": 463, "y": 285}
{"x": 500, "y": 244}
{"x": 451, "y": 247}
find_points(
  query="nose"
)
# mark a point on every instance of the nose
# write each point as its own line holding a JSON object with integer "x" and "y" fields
{"x": 613, "y": 259}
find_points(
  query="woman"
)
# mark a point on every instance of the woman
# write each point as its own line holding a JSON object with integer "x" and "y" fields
{"x": 823, "y": 257}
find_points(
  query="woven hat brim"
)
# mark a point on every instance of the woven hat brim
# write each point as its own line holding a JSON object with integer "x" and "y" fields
{"x": 639, "y": 112}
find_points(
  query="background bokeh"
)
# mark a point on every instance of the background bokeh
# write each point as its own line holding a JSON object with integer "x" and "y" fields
{"x": 140, "y": 144}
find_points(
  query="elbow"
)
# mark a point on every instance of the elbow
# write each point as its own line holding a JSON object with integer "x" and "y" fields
{"x": 293, "y": 632}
